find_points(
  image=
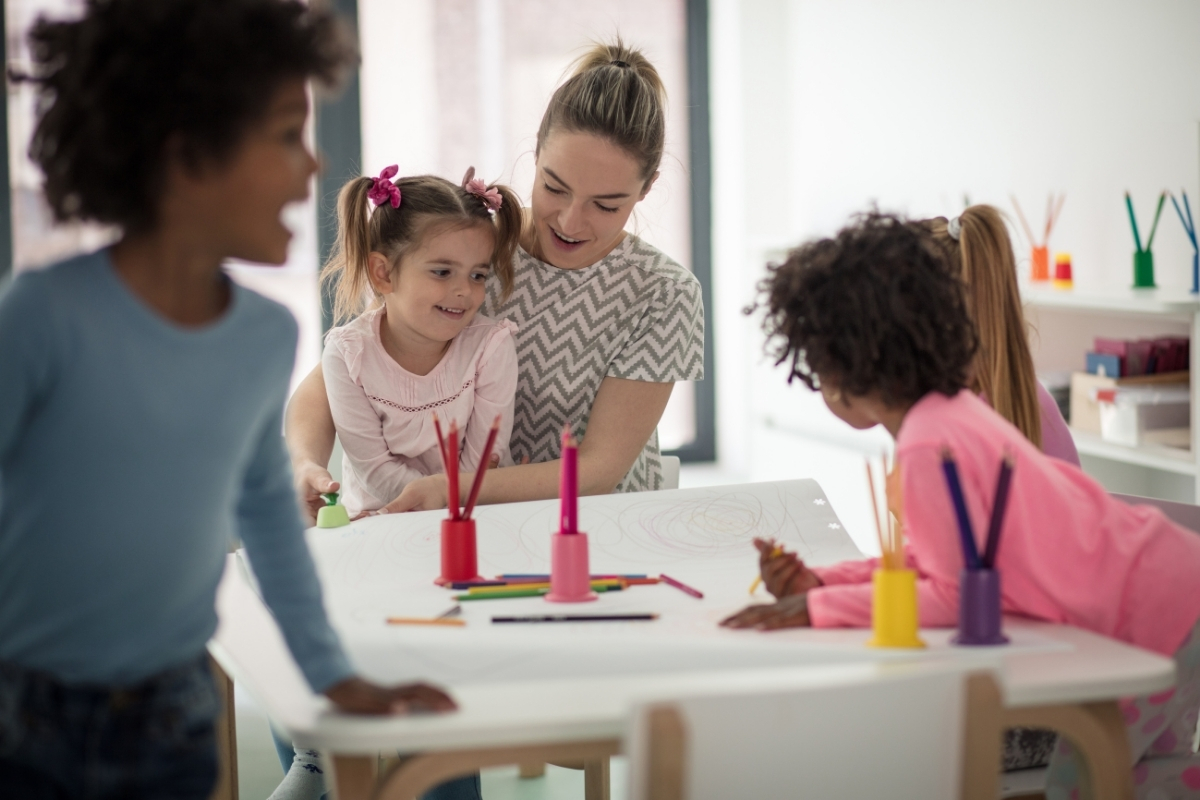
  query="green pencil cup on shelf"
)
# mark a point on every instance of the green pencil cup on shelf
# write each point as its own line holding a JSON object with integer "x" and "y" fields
{"x": 1143, "y": 269}
{"x": 334, "y": 514}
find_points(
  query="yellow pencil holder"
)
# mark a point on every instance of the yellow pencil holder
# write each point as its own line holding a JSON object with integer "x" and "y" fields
{"x": 894, "y": 609}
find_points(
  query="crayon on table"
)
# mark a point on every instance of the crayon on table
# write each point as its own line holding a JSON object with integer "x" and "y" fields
{"x": 445, "y": 621}
{"x": 501, "y": 595}
{"x": 579, "y": 618}
{"x": 683, "y": 587}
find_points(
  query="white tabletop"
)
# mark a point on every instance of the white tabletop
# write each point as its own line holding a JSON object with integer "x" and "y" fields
{"x": 532, "y": 683}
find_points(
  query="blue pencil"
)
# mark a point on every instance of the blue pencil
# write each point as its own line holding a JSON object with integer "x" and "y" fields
{"x": 966, "y": 535}
{"x": 998, "y": 507}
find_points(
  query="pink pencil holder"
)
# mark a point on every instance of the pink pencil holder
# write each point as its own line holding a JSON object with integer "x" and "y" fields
{"x": 459, "y": 561}
{"x": 570, "y": 576}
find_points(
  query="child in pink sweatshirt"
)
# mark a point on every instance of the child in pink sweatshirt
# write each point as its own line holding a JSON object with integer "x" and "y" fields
{"x": 875, "y": 320}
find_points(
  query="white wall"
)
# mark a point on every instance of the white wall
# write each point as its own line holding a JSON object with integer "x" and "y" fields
{"x": 823, "y": 107}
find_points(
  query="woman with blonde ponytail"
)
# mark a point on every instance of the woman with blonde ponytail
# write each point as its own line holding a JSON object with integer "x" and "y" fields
{"x": 981, "y": 253}
{"x": 606, "y": 323}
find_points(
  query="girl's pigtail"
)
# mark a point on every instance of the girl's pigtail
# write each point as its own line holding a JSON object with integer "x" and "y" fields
{"x": 348, "y": 265}
{"x": 509, "y": 220}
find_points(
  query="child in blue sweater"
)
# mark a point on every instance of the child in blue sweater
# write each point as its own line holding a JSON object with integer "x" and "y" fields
{"x": 146, "y": 387}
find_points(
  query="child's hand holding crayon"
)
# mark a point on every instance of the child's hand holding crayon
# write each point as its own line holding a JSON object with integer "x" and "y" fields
{"x": 783, "y": 572}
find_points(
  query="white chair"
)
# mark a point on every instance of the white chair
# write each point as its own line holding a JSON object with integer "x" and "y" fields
{"x": 670, "y": 472}
{"x": 918, "y": 731}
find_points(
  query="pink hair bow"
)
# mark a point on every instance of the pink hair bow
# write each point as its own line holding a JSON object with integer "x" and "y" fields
{"x": 383, "y": 190}
{"x": 490, "y": 198}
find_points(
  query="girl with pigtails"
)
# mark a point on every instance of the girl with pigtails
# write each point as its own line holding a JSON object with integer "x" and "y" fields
{"x": 410, "y": 264}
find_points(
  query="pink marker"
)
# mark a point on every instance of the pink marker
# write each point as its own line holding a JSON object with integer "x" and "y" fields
{"x": 568, "y": 490}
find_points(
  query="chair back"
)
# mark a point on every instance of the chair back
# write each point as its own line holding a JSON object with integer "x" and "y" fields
{"x": 1183, "y": 514}
{"x": 897, "y": 731}
{"x": 670, "y": 472}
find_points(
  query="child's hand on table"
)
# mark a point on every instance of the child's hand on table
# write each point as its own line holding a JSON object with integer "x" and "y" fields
{"x": 783, "y": 573}
{"x": 790, "y": 612}
{"x": 356, "y": 696}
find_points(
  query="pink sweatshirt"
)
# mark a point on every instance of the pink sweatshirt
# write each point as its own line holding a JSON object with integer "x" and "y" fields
{"x": 1069, "y": 552}
{"x": 384, "y": 413}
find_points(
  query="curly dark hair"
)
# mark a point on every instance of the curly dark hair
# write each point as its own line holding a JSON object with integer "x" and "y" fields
{"x": 115, "y": 84}
{"x": 876, "y": 308}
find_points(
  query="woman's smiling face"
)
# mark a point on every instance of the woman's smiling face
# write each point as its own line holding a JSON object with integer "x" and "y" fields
{"x": 583, "y": 193}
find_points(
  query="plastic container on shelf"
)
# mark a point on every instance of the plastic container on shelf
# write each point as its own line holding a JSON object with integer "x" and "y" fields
{"x": 1128, "y": 413}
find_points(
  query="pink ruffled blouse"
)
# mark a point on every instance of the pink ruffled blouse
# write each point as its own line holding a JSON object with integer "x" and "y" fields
{"x": 384, "y": 413}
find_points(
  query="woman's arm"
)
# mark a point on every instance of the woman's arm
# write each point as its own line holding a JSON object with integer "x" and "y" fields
{"x": 624, "y": 415}
{"x": 308, "y": 429}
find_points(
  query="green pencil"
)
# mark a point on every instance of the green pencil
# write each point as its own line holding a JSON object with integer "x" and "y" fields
{"x": 1137, "y": 240}
{"x": 500, "y": 595}
{"x": 1162, "y": 198}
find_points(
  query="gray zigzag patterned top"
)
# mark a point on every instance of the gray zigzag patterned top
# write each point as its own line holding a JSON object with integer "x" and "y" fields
{"x": 635, "y": 314}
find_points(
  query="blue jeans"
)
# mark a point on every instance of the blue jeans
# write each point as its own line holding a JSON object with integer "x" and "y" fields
{"x": 466, "y": 788}
{"x": 155, "y": 739}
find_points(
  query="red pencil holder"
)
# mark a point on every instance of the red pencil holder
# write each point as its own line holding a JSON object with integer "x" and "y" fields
{"x": 570, "y": 576}
{"x": 459, "y": 559}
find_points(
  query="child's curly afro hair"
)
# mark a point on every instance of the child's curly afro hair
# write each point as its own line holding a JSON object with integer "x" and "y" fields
{"x": 876, "y": 309}
{"x": 116, "y": 83}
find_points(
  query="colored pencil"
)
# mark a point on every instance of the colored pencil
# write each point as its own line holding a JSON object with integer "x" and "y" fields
{"x": 998, "y": 507}
{"x": 452, "y": 472}
{"x": 579, "y": 618}
{"x": 683, "y": 587}
{"x": 508, "y": 587}
{"x": 1188, "y": 225}
{"x": 1137, "y": 239}
{"x": 473, "y": 584}
{"x": 596, "y": 576}
{"x": 1024, "y": 222}
{"x": 885, "y": 543}
{"x": 484, "y": 463}
{"x": 966, "y": 535}
{"x": 437, "y": 428}
{"x": 502, "y": 595}
{"x": 568, "y": 490}
{"x": 450, "y": 623}
{"x": 1162, "y": 198}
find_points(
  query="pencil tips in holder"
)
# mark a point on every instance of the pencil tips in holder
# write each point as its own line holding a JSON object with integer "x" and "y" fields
{"x": 570, "y": 575}
{"x": 894, "y": 609}
{"x": 460, "y": 561}
{"x": 333, "y": 514}
{"x": 1143, "y": 269}
{"x": 979, "y": 611}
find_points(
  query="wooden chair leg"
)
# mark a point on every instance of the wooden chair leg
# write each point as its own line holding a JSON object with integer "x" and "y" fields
{"x": 1098, "y": 732}
{"x": 227, "y": 766}
{"x": 536, "y": 770}
{"x": 983, "y": 742}
{"x": 595, "y": 779}
{"x": 354, "y": 777}
{"x": 668, "y": 754}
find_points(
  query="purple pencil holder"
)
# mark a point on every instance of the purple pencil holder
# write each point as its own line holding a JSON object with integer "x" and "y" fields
{"x": 979, "y": 608}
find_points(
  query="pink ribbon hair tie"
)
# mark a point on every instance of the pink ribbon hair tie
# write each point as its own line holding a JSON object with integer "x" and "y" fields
{"x": 383, "y": 190}
{"x": 490, "y": 198}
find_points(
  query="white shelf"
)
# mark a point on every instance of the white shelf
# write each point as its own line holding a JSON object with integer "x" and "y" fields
{"x": 1169, "y": 459}
{"x": 1171, "y": 302}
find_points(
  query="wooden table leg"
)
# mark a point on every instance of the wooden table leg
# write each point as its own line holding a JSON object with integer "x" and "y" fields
{"x": 595, "y": 779}
{"x": 410, "y": 777}
{"x": 227, "y": 766}
{"x": 1097, "y": 730}
{"x": 353, "y": 777}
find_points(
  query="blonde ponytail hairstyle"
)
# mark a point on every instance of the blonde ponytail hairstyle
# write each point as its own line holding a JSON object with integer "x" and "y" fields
{"x": 983, "y": 257}
{"x": 428, "y": 203}
{"x": 615, "y": 93}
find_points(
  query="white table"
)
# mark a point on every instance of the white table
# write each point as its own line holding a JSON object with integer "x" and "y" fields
{"x": 561, "y": 692}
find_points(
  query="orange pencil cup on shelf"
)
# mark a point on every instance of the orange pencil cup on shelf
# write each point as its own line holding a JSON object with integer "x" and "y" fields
{"x": 1040, "y": 264}
{"x": 894, "y": 609}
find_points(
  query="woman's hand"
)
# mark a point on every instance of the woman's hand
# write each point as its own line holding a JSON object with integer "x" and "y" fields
{"x": 312, "y": 480}
{"x": 783, "y": 573}
{"x": 790, "y": 612}
{"x": 356, "y": 696}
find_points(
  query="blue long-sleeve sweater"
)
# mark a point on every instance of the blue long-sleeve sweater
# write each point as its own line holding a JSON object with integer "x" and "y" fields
{"x": 131, "y": 452}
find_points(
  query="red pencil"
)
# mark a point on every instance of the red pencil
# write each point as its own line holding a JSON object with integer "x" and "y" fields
{"x": 437, "y": 428}
{"x": 482, "y": 468}
{"x": 452, "y": 471}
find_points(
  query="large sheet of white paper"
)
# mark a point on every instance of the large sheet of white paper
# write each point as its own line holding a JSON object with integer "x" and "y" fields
{"x": 384, "y": 566}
